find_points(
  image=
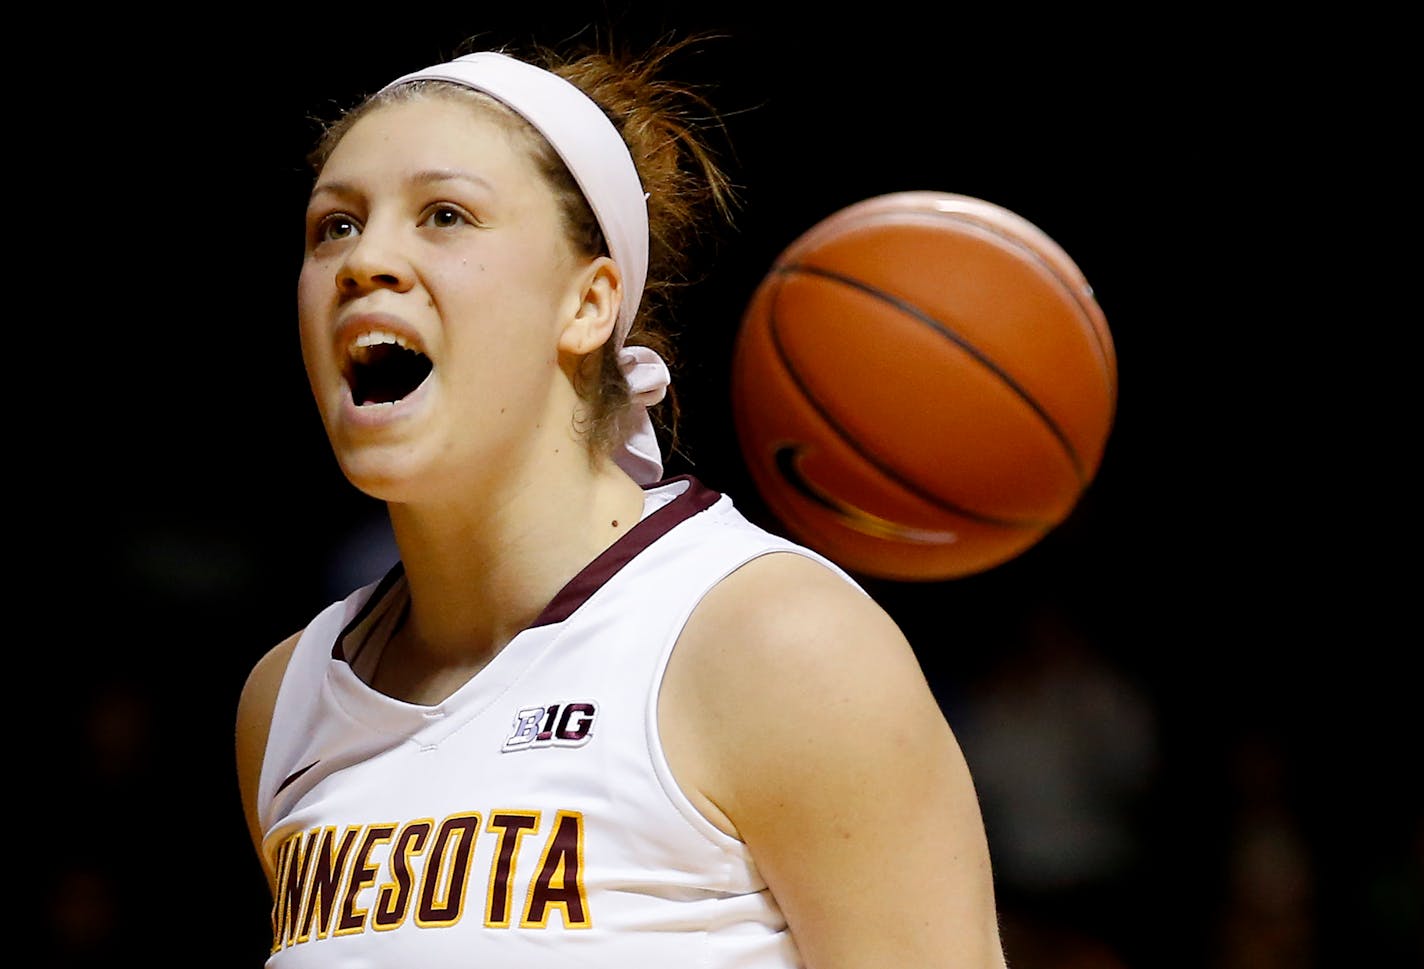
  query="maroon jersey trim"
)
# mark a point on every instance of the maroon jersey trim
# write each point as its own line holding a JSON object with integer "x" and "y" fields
{"x": 388, "y": 581}
{"x": 696, "y": 498}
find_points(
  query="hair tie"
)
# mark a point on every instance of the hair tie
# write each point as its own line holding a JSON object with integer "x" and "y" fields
{"x": 648, "y": 380}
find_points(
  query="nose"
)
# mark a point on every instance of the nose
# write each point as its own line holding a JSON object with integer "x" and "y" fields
{"x": 373, "y": 262}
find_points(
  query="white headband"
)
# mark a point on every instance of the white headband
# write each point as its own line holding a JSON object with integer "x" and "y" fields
{"x": 591, "y": 148}
{"x": 598, "y": 159}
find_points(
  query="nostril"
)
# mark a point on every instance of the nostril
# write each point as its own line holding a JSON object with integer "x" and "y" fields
{"x": 354, "y": 281}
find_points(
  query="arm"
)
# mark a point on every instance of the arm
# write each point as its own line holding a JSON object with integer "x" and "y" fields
{"x": 818, "y": 742}
{"x": 254, "y": 717}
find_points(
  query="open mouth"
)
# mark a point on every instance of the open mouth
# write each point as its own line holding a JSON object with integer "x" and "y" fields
{"x": 381, "y": 368}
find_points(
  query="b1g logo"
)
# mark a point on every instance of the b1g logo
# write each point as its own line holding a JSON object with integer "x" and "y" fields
{"x": 557, "y": 725}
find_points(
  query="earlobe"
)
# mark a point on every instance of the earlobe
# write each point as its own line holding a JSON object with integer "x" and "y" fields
{"x": 592, "y": 323}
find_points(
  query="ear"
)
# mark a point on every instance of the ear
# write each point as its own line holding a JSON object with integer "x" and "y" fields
{"x": 600, "y": 291}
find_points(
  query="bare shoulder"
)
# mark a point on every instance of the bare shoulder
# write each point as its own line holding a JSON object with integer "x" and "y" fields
{"x": 796, "y": 713}
{"x": 784, "y": 626}
{"x": 259, "y": 692}
{"x": 254, "y": 718}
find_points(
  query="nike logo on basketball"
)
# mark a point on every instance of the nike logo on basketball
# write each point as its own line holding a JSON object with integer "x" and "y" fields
{"x": 787, "y": 460}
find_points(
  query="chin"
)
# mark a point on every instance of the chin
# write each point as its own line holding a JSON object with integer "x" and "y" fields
{"x": 380, "y": 473}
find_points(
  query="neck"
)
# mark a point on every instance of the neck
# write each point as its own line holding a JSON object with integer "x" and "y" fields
{"x": 480, "y": 573}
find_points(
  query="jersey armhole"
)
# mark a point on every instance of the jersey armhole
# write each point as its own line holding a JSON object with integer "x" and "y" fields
{"x": 657, "y": 756}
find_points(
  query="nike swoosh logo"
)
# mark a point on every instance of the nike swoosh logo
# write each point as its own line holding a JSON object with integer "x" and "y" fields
{"x": 788, "y": 464}
{"x": 292, "y": 777}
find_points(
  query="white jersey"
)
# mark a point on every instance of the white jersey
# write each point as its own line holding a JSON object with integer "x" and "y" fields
{"x": 530, "y": 820}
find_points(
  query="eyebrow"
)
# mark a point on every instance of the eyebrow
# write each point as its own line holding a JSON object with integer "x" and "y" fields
{"x": 426, "y": 176}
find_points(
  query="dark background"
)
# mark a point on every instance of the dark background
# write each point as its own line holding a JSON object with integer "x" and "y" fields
{"x": 1192, "y": 667}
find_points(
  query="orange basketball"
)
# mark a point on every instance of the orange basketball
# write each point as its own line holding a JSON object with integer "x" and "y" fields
{"x": 923, "y": 386}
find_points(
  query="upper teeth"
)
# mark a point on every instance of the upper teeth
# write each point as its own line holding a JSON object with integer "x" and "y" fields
{"x": 376, "y": 337}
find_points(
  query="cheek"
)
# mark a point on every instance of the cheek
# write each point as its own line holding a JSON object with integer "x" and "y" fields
{"x": 311, "y": 289}
{"x": 514, "y": 296}
{"x": 501, "y": 334}
{"x": 312, "y": 296}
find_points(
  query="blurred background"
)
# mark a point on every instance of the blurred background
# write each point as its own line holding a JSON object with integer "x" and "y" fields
{"x": 1193, "y": 742}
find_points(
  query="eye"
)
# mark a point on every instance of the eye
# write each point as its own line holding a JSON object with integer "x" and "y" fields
{"x": 335, "y": 227}
{"x": 446, "y": 216}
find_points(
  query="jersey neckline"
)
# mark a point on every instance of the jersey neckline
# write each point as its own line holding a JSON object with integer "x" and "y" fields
{"x": 694, "y": 498}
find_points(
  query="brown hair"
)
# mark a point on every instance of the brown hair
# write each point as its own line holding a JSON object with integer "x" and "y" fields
{"x": 666, "y": 125}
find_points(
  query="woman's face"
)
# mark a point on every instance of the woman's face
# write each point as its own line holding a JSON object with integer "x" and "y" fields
{"x": 435, "y": 284}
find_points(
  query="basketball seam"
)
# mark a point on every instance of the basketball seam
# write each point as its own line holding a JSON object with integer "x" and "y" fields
{"x": 918, "y": 314}
{"x": 1100, "y": 339}
{"x": 850, "y": 441}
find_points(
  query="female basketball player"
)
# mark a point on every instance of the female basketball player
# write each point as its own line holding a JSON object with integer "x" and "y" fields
{"x": 593, "y": 717}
